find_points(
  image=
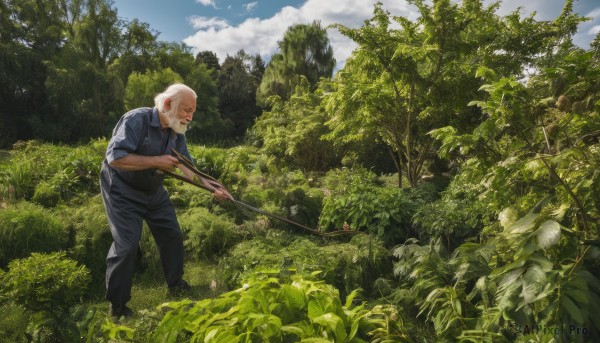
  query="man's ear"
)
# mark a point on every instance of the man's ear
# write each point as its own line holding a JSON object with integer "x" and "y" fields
{"x": 167, "y": 104}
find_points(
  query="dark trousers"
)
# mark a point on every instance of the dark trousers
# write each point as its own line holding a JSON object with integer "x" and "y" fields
{"x": 126, "y": 208}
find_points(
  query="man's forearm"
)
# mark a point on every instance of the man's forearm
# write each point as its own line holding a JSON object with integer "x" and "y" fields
{"x": 133, "y": 162}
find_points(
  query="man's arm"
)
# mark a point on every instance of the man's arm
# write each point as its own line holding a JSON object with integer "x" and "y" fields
{"x": 133, "y": 162}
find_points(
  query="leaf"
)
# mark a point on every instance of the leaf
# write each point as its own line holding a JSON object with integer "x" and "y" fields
{"x": 293, "y": 329}
{"x": 569, "y": 305}
{"x": 293, "y": 297}
{"x": 524, "y": 224}
{"x": 548, "y": 234}
{"x": 334, "y": 323}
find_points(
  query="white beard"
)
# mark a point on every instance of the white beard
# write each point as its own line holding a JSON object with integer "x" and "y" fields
{"x": 174, "y": 123}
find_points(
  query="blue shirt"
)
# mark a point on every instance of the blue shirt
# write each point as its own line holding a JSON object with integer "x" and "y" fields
{"x": 139, "y": 132}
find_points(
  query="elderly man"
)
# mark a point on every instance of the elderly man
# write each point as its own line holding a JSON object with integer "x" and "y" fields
{"x": 132, "y": 190}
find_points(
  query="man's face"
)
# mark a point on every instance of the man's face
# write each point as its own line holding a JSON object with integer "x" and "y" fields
{"x": 179, "y": 117}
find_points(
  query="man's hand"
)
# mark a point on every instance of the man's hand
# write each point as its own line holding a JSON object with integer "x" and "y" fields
{"x": 222, "y": 195}
{"x": 166, "y": 162}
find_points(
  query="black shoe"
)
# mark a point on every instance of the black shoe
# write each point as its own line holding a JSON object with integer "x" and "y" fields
{"x": 181, "y": 289}
{"x": 120, "y": 311}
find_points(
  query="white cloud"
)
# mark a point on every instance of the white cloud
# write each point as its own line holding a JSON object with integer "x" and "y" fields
{"x": 249, "y": 6}
{"x": 260, "y": 36}
{"x": 201, "y": 23}
{"x": 207, "y": 3}
{"x": 595, "y": 13}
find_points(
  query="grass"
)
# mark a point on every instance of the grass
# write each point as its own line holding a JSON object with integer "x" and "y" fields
{"x": 149, "y": 291}
{"x": 4, "y": 155}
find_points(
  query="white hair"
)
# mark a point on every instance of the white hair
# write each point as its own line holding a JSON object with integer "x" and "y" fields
{"x": 173, "y": 92}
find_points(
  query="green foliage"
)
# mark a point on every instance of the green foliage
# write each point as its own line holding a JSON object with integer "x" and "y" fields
{"x": 267, "y": 309}
{"x": 381, "y": 211}
{"x": 452, "y": 220}
{"x": 304, "y": 51}
{"x": 142, "y": 88}
{"x": 208, "y": 125}
{"x": 207, "y": 236}
{"x": 48, "y": 285}
{"x": 55, "y": 172}
{"x": 292, "y": 129}
{"x": 92, "y": 239}
{"x": 347, "y": 266}
{"x": 27, "y": 228}
{"x": 238, "y": 79}
{"x": 13, "y": 322}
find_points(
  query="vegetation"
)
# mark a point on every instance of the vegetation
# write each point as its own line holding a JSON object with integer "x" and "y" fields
{"x": 486, "y": 230}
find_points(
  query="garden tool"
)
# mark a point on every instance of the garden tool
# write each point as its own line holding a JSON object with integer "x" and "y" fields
{"x": 211, "y": 184}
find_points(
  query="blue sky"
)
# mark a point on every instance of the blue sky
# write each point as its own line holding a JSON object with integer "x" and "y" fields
{"x": 225, "y": 27}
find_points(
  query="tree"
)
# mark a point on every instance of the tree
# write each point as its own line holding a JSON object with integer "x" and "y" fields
{"x": 209, "y": 58}
{"x": 207, "y": 126}
{"x": 304, "y": 50}
{"x": 141, "y": 88}
{"x": 31, "y": 32}
{"x": 402, "y": 83}
{"x": 238, "y": 80}
{"x": 84, "y": 92}
{"x": 138, "y": 49}
{"x": 293, "y": 129}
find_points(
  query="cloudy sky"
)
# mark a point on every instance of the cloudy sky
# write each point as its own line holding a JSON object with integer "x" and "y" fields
{"x": 226, "y": 26}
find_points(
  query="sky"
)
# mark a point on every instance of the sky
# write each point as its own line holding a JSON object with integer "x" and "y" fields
{"x": 226, "y": 26}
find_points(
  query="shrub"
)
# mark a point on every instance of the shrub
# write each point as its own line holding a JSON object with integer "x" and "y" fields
{"x": 13, "y": 323}
{"x": 92, "y": 238}
{"x": 27, "y": 228}
{"x": 385, "y": 212}
{"x": 207, "y": 235}
{"x": 48, "y": 285}
{"x": 46, "y": 194}
{"x": 452, "y": 220}
{"x": 270, "y": 310}
{"x": 347, "y": 266}
{"x": 68, "y": 169}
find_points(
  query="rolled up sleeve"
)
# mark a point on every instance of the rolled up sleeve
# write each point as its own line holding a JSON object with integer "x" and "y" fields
{"x": 125, "y": 139}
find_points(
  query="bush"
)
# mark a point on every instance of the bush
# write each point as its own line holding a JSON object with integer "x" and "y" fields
{"x": 66, "y": 169}
{"x": 347, "y": 266}
{"x": 27, "y": 228}
{"x": 92, "y": 238}
{"x": 207, "y": 235}
{"x": 452, "y": 220}
{"x": 48, "y": 285}
{"x": 46, "y": 194}
{"x": 385, "y": 212}
{"x": 13, "y": 323}
{"x": 270, "y": 310}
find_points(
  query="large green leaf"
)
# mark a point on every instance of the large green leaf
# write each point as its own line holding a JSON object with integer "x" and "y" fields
{"x": 572, "y": 309}
{"x": 293, "y": 296}
{"x": 333, "y": 323}
{"x": 524, "y": 224}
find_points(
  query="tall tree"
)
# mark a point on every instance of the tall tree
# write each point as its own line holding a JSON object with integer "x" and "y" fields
{"x": 237, "y": 82}
{"x": 84, "y": 91}
{"x": 139, "y": 46}
{"x": 31, "y": 32}
{"x": 209, "y": 58}
{"x": 305, "y": 50}
{"x": 401, "y": 83}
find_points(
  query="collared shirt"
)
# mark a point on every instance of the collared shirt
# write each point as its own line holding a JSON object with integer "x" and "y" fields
{"x": 139, "y": 132}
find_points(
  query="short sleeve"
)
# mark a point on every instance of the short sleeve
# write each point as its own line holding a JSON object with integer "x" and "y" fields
{"x": 125, "y": 139}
